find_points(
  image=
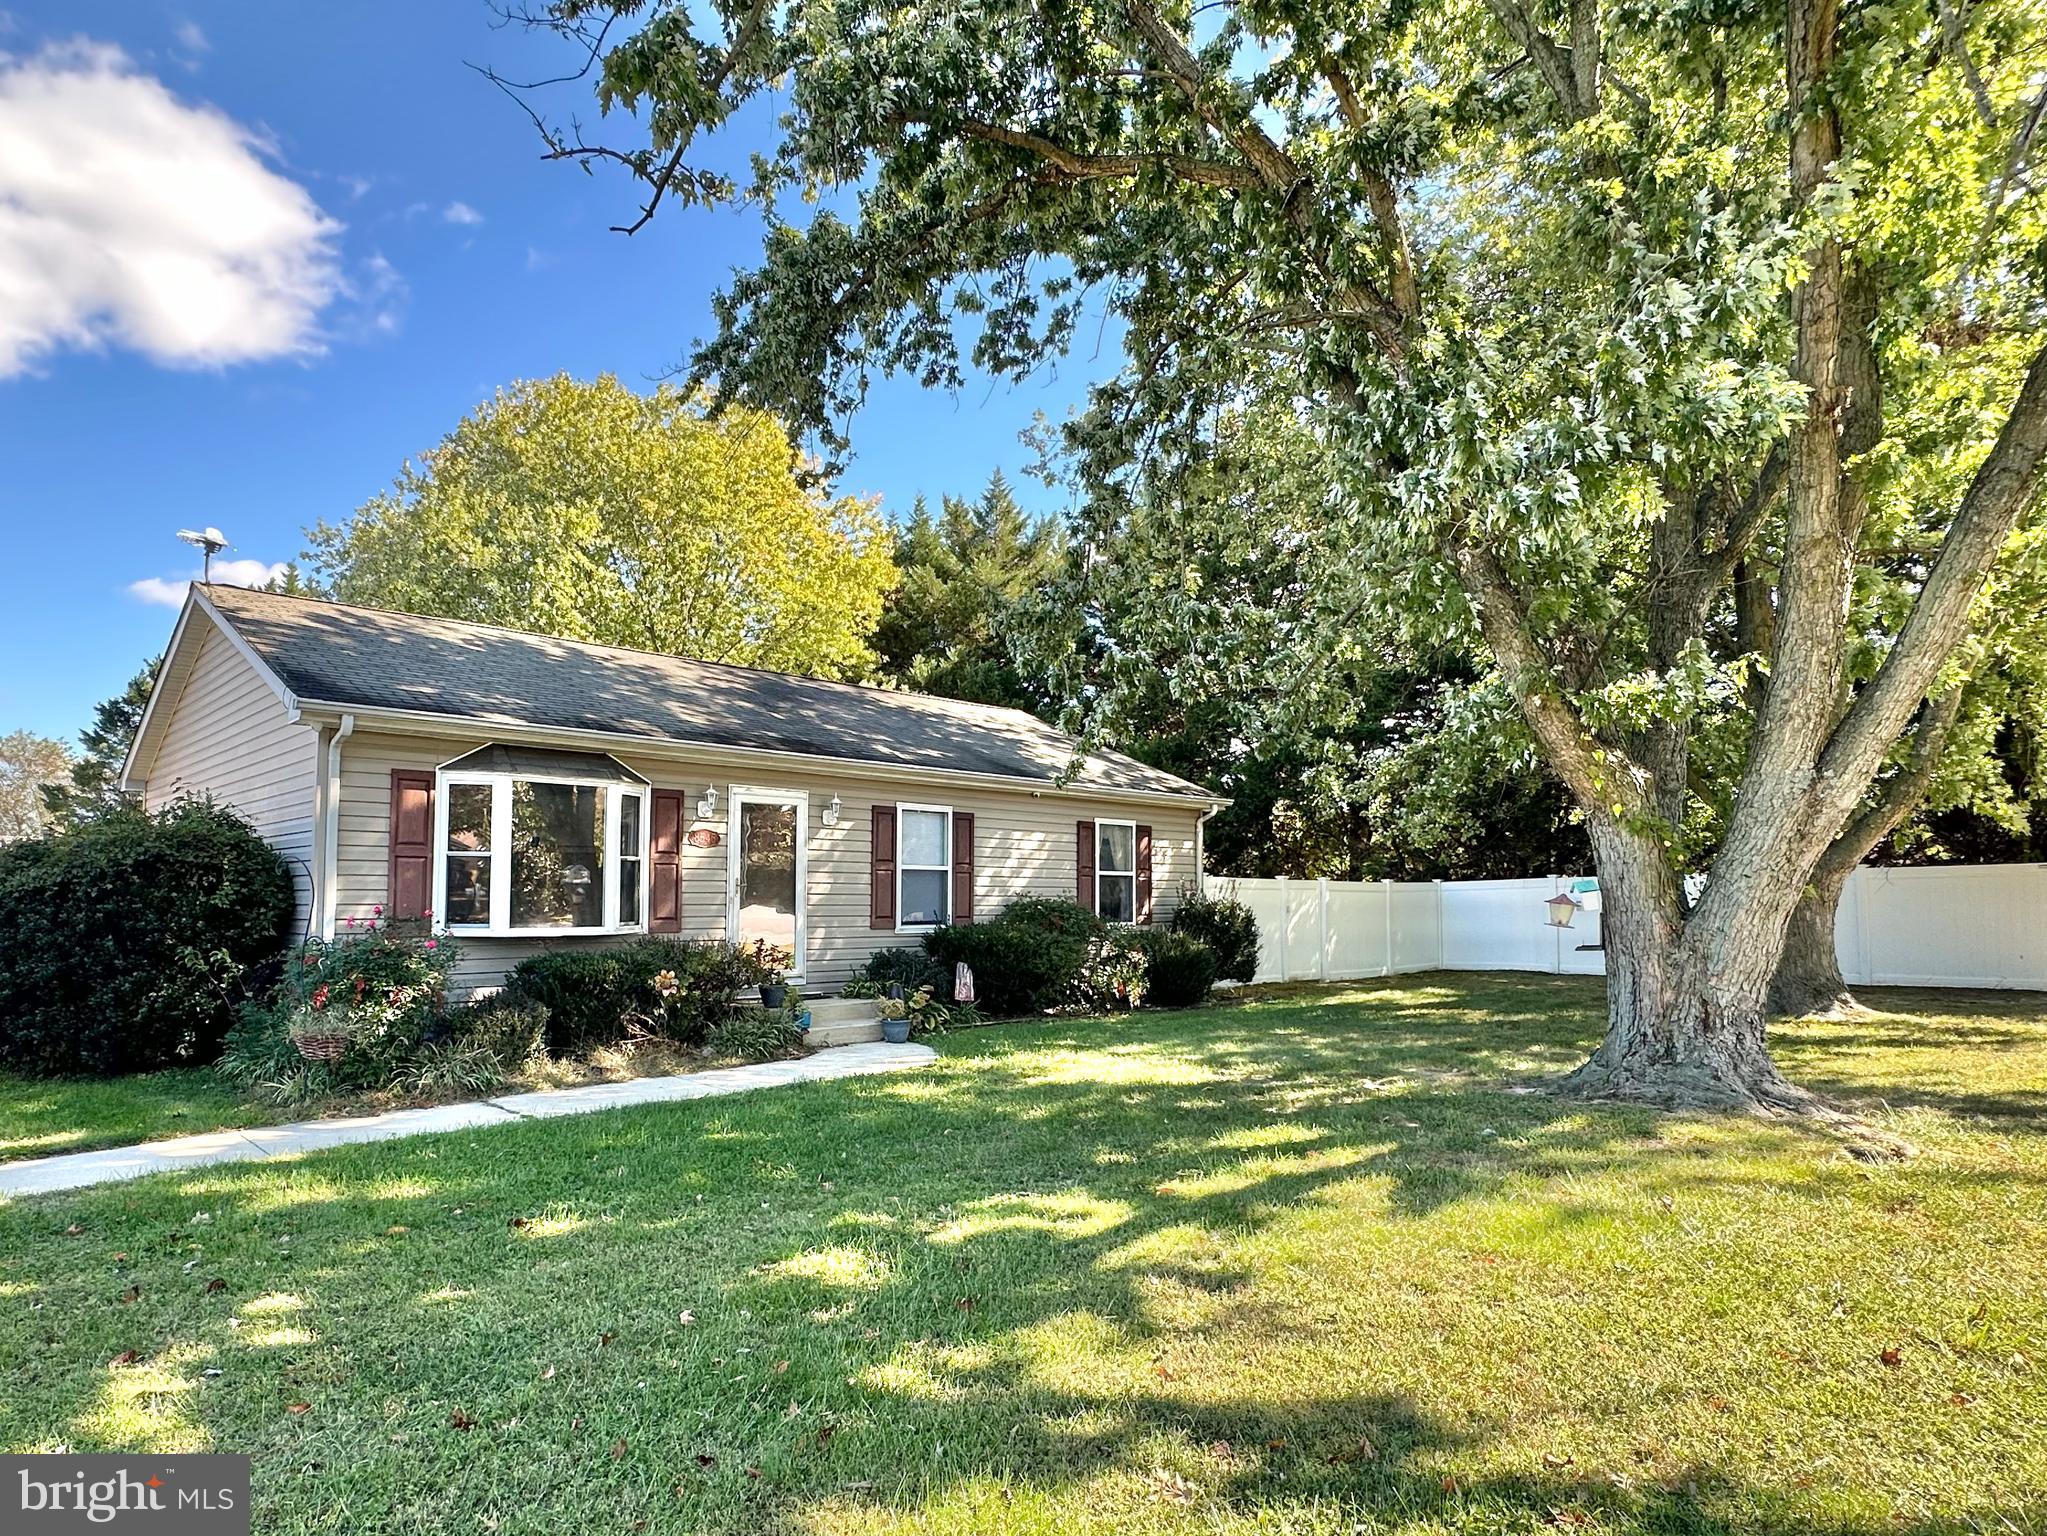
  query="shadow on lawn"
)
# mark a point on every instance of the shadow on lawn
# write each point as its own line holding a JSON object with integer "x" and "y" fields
{"x": 1048, "y": 1184}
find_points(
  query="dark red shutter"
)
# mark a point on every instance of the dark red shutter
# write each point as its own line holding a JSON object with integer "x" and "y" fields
{"x": 1084, "y": 864}
{"x": 412, "y": 844}
{"x": 963, "y": 866}
{"x": 1144, "y": 874}
{"x": 881, "y": 907}
{"x": 664, "y": 862}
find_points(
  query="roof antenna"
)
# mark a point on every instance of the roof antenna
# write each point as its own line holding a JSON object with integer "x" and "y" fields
{"x": 212, "y": 540}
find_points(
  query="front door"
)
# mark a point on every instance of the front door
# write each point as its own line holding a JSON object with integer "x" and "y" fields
{"x": 769, "y": 871}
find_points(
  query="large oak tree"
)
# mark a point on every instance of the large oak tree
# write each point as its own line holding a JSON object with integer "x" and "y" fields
{"x": 1600, "y": 308}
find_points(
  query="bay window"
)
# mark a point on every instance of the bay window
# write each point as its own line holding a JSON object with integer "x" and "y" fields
{"x": 535, "y": 842}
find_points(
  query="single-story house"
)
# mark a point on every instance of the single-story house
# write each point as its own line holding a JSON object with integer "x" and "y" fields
{"x": 524, "y": 792}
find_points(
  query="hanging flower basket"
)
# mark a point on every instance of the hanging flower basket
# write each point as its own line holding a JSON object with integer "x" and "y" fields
{"x": 321, "y": 1047}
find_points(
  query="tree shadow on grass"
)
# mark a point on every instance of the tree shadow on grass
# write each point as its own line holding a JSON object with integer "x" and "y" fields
{"x": 902, "y": 1283}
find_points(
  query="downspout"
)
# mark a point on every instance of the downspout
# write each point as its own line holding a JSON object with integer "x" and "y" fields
{"x": 330, "y": 835}
{"x": 1201, "y": 850}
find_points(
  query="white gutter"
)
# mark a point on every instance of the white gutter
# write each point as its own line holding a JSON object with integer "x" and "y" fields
{"x": 429, "y": 723}
{"x": 330, "y": 834}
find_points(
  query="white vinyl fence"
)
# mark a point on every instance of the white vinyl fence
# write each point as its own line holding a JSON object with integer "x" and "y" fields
{"x": 1940, "y": 926}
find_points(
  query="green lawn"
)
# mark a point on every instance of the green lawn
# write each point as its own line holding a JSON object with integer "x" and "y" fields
{"x": 43, "y": 1117}
{"x": 1304, "y": 1265}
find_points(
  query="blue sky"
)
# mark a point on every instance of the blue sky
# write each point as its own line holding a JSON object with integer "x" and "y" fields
{"x": 252, "y": 256}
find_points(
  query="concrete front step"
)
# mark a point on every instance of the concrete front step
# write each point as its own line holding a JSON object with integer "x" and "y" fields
{"x": 842, "y": 1020}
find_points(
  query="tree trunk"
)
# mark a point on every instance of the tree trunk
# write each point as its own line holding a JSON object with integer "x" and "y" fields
{"x": 1808, "y": 978}
{"x": 1685, "y": 1002}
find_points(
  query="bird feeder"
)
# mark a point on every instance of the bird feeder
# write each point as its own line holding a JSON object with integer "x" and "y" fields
{"x": 1562, "y": 908}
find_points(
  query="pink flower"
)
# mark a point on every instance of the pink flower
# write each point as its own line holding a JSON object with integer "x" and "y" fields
{"x": 376, "y": 911}
{"x": 351, "y": 922}
{"x": 426, "y": 914}
{"x": 433, "y": 943}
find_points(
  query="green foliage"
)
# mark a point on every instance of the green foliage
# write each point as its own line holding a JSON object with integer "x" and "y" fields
{"x": 755, "y": 1034}
{"x": 963, "y": 574}
{"x": 593, "y": 512}
{"x": 510, "y": 1030}
{"x": 1179, "y": 969}
{"x": 678, "y": 989}
{"x": 94, "y": 785}
{"x": 30, "y": 767}
{"x": 128, "y": 943}
{"x": 1111, "y": 978}
{"x": 1025, "y": 959}
{"x": 1228, "y": 929}
{"x": 908, "y": 968}
{"x": 350, "y": 1013}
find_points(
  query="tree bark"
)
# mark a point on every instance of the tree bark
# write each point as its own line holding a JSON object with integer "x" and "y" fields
{"x": 1808, "y": 978}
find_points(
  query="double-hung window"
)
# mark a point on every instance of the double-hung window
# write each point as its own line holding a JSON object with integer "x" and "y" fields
{"x": 536, "y": 843}
{"x": 1116, "y": 871}
{"x": 923, "y": 866}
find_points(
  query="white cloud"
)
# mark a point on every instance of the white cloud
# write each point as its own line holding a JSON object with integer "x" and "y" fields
{"x": 461, "y": 213}
{"x": 170, "y": 591}
{"x": 131, "y": 218}
{"x": 192, "y": 41}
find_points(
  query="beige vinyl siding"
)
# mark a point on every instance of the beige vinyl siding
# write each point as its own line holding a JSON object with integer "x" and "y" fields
{"x": 1024, "y": 845}
{"x": 229, "y": 736}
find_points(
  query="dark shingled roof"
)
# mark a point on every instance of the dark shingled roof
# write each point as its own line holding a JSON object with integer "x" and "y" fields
{"x": 364, "y": 658}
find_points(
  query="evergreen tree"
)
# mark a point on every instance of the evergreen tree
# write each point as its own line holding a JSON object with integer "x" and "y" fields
{"x": 94, "y": 787}
{"x": 944, "y": 629}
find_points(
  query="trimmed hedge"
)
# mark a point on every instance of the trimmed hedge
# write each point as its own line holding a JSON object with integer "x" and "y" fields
{"x": 128, "y": 943}
{"x": 1226, "y": 927}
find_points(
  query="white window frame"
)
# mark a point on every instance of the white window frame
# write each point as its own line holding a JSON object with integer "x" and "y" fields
{"x": 500, "y": 924}
{"x": 1129, "y": 874}
{"x": 746, "y": 794}
{"x": 903, "y": 866}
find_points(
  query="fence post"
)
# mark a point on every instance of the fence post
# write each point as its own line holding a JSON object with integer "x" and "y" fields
{"x": 1322, "y": 928}
{"x": 1387, "y": 968}
{"x": 1286, "y": 929}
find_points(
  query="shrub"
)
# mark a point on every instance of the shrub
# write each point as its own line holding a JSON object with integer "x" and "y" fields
{"x": 375, "y": 997}
{"x": 1228, "y": 928}
{"x": 128, "y": 943}
{"x": 676, "y": 988}
{"x": 907, "y": 968}
{"x": 1112, "y": 976}
{"x": 1179, "y": 969}
{"x": 512, "y": 1031}
{"x": 755, "y": 1034}
{"x": 1025, "y": 959}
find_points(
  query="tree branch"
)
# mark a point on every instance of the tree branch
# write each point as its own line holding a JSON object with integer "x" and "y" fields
{"x": 1599, "y": 778}
{"x": 1554, "y": 63}
{"x": 1089, "y": 167}
{"x": 1901, "y": 793}
{"x": 1940, "y": 617}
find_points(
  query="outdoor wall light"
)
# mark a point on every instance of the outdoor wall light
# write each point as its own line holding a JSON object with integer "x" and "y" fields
{"x": 830, "y": 814}
{"x": 708, "y": 806}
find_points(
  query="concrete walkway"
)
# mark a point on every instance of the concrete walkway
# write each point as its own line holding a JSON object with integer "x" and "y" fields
{"x": 76, "y": 1170}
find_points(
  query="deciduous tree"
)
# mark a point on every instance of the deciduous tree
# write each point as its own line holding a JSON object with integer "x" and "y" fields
{"x": 1601, "y": 310}
{"x": 590, "y": 511}
{"x": 28, "y": 764}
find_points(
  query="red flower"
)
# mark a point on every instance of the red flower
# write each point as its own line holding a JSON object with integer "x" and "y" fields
{"x": 320, "y": 997}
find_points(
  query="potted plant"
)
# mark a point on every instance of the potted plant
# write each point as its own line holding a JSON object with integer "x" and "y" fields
{"x": 895, "y": 1020}
{"x": 771, "y": 964}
